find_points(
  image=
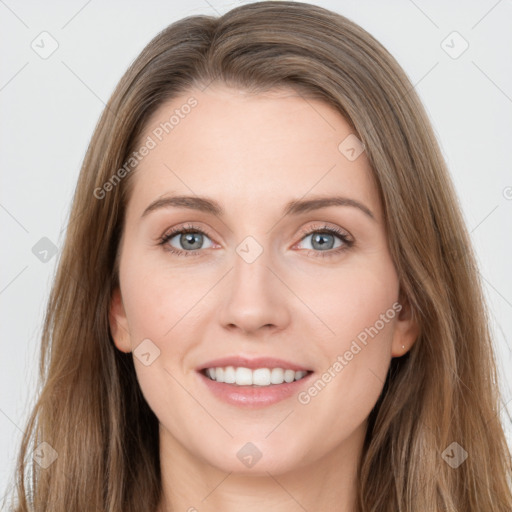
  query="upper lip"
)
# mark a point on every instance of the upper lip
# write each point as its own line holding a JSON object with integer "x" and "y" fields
{"x": 252, "y": 363}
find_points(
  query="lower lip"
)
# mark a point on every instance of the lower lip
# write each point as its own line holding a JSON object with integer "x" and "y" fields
{"x": 254, "y": 396}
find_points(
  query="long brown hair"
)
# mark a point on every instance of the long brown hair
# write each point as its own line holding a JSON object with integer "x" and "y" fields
{"x": 90, "y": 409}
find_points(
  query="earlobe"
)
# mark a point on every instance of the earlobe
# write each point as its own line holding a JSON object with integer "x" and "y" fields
{"x": 406, "y": 329}
{"x": 118, "y": 322}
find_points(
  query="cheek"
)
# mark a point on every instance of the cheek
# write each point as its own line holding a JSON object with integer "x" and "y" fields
{"x": 353, "y": 300}
{"x": 157, "y": 304}
{"x": 156, "y": 299}
{"x": 358, "y": 306}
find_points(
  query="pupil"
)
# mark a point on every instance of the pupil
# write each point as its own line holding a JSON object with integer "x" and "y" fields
{"x": 189, "y": 238}
{"x": 320, "y": 239}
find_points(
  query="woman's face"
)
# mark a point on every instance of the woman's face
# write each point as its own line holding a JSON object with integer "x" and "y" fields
{"x": 286, "y": 259}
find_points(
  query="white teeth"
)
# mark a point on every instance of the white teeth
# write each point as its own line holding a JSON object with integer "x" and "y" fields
{"x": 246, "y": 377}
{"x": 277, "y": 376}
{"x": 243, "y": 377}
{"x": 229, "y": 375}
{"x": 261, "y": 377}
{"x": 289, "y": 375}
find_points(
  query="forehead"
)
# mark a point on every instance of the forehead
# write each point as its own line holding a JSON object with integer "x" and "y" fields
{"x": 246, "y": 149}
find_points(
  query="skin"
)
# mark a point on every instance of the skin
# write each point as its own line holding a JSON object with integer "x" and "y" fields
{"x": 253, "y": 154}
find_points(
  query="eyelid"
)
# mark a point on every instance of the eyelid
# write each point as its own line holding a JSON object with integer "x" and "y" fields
{"x": 321, "y": 226}
{"x": 183, "y": 228}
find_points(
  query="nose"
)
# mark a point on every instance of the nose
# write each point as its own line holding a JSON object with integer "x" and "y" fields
{"x": 256, "y": 299}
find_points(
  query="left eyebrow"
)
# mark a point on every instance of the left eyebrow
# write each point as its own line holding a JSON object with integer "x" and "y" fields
{"x": 295, "y": 207}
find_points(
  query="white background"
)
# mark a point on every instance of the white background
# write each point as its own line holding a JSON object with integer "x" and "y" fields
{"x": 49, "y": 108}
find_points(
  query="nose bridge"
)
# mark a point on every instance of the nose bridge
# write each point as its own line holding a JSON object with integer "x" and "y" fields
{"x": 255, "y": 297}
{"x": 251, "y": 277}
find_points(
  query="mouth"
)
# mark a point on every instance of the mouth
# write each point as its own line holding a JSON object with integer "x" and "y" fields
{"x": 259, "y": 377}
{"x": 244, "y": 387}
{"x": 249, "y": 382}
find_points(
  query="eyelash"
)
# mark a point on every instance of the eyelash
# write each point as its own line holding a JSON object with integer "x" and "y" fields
{"x": 347, "y": 243}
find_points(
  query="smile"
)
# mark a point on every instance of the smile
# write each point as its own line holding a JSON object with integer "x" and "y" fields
{"x": 241, "y": 376}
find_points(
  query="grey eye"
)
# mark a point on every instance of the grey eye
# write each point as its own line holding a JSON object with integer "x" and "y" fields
{"x": 189, "y": 241}
{"x": 323, "y": 241}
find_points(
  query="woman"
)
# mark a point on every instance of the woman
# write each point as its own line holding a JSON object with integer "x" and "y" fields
{"x": 249, "y": 371}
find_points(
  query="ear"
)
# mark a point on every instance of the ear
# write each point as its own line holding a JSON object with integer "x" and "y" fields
{"x": 118, "y": 322}
{"x": 406, "y": 328}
